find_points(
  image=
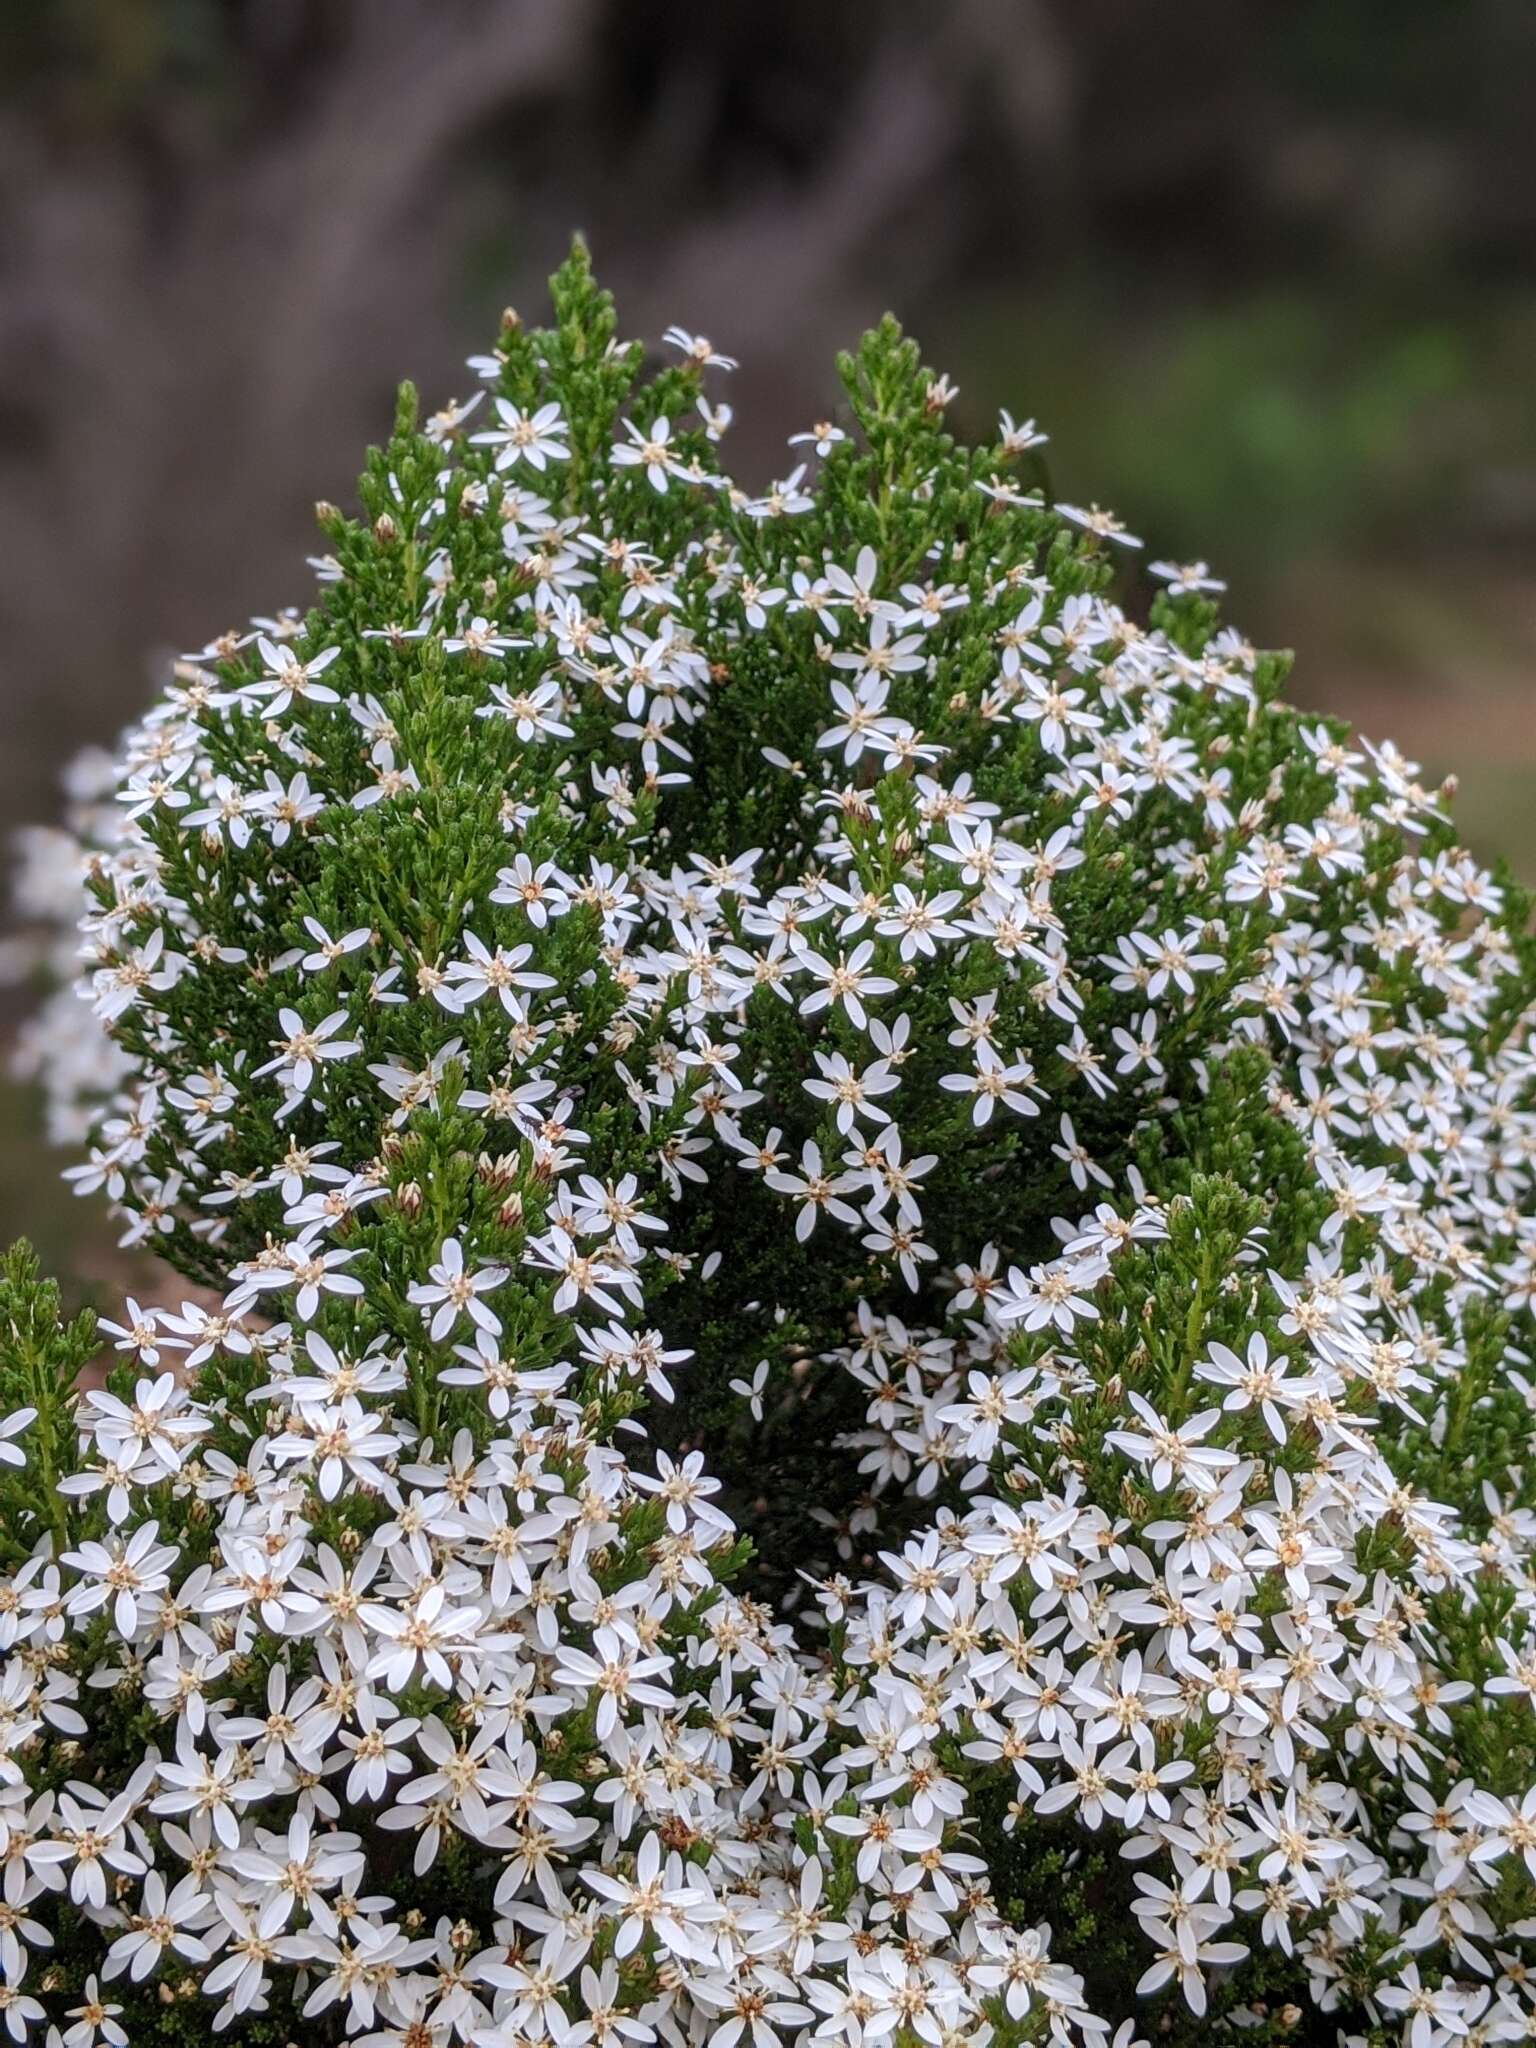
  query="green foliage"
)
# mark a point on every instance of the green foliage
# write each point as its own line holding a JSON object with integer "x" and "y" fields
{"x": 40, "y": 1359}
{"x": 506, "y": 926}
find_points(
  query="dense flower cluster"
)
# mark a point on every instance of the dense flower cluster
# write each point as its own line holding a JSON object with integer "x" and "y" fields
{"x": 865, "y": 1240}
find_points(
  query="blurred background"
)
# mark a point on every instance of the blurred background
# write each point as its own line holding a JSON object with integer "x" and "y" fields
{"x": 1264, "y": 273}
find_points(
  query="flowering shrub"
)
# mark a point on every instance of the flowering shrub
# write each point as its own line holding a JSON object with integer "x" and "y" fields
{"x": 865, "y": 1249}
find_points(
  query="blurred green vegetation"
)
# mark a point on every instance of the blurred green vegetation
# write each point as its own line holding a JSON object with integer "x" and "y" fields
{"x": 1269, "y": 424}
{"x": 71, "y": 1237}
